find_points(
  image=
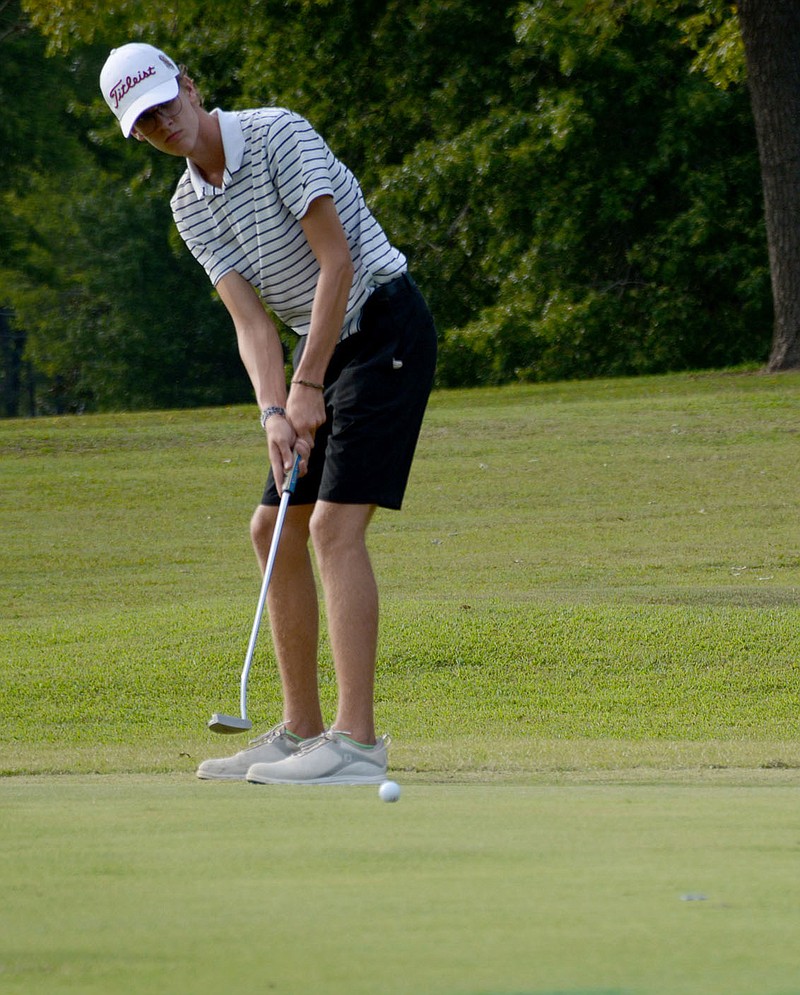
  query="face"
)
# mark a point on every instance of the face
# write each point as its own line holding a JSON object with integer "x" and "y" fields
{"x": 171, "y": 127}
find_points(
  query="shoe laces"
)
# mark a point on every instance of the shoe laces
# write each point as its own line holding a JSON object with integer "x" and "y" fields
{"x": 329, "y": 736}
{"x": 333, "y": 736}
{"x": 269, "y": 735}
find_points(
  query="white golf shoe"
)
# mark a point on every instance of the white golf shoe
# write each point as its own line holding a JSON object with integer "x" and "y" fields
{"x": 331, "y": 758}
{"x": 273, "y": 746}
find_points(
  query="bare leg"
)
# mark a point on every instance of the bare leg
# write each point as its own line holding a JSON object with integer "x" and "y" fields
{"x": 338, "y": 532}
{"x": 294, "y": 614}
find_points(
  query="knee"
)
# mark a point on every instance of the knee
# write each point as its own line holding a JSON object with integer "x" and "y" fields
{"x": 338, "y": 529}
{"x": 261, "y": 527}
{"x": 323, "y": 535}
{"x": 294, "y": 535}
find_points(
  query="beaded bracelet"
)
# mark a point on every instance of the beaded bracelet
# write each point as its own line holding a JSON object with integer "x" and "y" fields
{"x": 274, "y": 409}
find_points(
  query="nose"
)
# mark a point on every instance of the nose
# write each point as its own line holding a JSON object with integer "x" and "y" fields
{"x": 164, "y": 115}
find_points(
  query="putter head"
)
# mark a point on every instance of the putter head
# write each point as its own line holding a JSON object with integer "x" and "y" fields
{"x": 228, "y": 723}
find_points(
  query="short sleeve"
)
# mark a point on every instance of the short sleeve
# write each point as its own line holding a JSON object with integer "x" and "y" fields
{"x": 299, "y": 163}
{"x": 208, "y": 235}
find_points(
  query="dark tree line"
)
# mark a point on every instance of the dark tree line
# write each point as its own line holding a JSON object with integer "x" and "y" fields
{"x": 578, "y": 185}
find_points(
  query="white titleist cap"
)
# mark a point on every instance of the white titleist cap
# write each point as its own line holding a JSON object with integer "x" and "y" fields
{"x": 135, "y": 78}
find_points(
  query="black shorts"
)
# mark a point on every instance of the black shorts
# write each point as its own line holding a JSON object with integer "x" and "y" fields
{"x": 376, "y": 389}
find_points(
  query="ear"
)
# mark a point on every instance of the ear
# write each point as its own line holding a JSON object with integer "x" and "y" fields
{"x": 137, "y": 136}
{"x": 188, "y": 87}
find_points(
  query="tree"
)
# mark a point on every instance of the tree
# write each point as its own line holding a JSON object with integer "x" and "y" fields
{"x": 771, "y": 33}
{"x": 604, "y": 220}
{"x": 29, "y": 119}
{"x": 118, "y": 317}
{"x": 12, "y": 349}
{"x": 575, "y": 199}
{"x": 114, "y": 315}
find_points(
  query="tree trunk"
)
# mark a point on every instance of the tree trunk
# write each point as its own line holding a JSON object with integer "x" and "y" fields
{"x": 771, "y": 34}
{"x": 12, "y": 346}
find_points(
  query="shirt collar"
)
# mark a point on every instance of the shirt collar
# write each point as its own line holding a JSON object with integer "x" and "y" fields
{"x": 233, "y": 145}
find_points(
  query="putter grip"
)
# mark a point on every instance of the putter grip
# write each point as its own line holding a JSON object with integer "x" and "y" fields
{"x": 290, "y": 482}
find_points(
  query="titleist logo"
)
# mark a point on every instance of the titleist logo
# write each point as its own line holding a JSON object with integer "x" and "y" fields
{"x": 123, "y": 86}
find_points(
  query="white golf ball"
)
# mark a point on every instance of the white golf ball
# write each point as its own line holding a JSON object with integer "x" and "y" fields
{"x": 389, "y": 791}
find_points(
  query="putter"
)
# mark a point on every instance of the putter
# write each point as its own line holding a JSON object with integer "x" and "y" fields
{"x": 232, "y": 723}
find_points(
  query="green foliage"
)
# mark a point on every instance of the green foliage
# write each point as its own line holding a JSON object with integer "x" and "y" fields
{"x": 379, "y": 78}
{"x": 630, "y": 210}
{"x": 114, "y": 316}
{"x": 713, "y": 34}
{"x": 119, "y": 321}
{"x": 576, "y": 185}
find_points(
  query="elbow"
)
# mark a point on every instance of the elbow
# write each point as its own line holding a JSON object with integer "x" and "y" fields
{"x": 338, "y": 266}
{"x": 336, "y": 275}
{"x": 346, "y": 271}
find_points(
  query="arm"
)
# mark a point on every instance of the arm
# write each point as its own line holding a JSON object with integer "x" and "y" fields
{"x": 323, "y": 229}
{"x": 262, "y": 354}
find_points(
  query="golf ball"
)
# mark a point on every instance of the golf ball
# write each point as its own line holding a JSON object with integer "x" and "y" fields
{"x": 389, "y": 791}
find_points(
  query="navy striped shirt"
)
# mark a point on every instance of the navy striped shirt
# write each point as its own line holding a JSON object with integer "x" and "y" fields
{"x": 275, "y": 166}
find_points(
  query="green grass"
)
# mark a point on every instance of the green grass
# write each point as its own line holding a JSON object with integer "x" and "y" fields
{"x": 164, "y": 885}
{"x": 614, "y": 561}
{"x": 589, "y": 666}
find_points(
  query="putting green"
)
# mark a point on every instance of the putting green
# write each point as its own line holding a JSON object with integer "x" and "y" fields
{"x": 157, "y": 884}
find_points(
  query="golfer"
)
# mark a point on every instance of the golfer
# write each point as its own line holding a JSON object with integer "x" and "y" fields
{"x": 281, "y": 228}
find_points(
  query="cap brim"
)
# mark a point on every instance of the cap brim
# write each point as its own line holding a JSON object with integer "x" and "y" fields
{"x": 158, "y": 95}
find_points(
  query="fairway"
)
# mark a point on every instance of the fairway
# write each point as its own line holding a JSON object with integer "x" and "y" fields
{"x": 589, "y": 665}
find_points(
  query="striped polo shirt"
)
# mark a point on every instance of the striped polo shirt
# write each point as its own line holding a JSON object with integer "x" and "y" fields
{"x": 275, "y": 166}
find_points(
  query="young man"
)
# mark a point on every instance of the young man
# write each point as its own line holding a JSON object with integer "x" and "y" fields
{"x": 279, "y": 223}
